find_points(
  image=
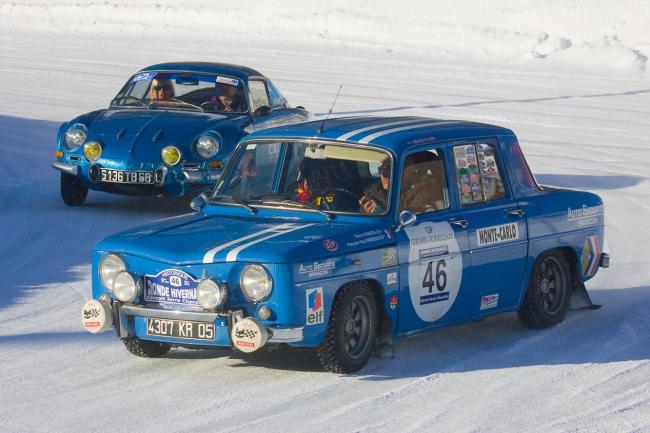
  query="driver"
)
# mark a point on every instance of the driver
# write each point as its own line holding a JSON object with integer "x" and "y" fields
{"x": 229, "y": 98}
{"x": 162, "y": 89}
{"x": 375, "y": 197}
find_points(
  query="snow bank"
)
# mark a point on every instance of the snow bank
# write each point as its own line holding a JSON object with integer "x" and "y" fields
{"x": 595, "y": 36}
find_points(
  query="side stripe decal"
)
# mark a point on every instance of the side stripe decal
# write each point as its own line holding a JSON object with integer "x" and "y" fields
{"x": 378, "y": 126}
{"x": 369, "y": 138}
{"x": 232, "y": 255}
{"x": 209, "y": 256}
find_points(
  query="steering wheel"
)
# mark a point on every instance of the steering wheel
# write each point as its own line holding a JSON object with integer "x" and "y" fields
{"x": 209, "y": 105}
{"x": 334, "y": 192}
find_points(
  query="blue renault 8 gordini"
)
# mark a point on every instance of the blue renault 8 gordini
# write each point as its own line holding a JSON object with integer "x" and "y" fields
{"x": 169, "y": 130}
{"x": 342, "y": 234}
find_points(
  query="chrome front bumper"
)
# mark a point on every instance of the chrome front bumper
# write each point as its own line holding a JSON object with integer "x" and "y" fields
{"x": 66, "y": 168}
{"x": 276, "y": 335}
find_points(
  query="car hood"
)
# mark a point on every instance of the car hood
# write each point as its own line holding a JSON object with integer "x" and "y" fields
{"x": 196, "y": 238}
{"x": 141, "y": 134}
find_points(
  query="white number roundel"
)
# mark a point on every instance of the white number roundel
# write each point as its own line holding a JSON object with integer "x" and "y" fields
{"x": 435, "y": 269}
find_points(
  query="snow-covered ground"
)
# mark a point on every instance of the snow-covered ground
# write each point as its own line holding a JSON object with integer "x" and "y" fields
{"x": 570, "y": 78}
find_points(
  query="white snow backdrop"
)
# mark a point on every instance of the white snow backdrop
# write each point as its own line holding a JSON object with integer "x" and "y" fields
{"x": 569, "y": 77}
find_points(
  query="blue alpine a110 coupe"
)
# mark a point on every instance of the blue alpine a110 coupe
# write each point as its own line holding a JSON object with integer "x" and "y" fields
{"x": 344, "y": 233}
{"x": 169, "y": 131}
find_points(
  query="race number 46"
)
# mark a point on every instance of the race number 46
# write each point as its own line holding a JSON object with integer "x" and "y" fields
{"x": 437, "y": 279}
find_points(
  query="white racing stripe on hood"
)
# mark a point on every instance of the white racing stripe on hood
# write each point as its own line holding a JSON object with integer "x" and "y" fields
{"x": 369, "y": 138}
{"x": 232, "y": 255}
{"x": 209, "y": 256}
{"x": 379, "y": 126}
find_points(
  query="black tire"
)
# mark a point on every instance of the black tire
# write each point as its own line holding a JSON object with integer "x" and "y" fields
{"x": 549, "y": 292}
{"x": 73, "y": 191}
{"x": 351, "y": 331}
{"x": 145, "y": 349}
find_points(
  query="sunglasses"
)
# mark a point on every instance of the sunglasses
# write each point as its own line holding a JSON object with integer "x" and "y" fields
{"x": 159, "y": 88}
{"x": 384, "y": 170}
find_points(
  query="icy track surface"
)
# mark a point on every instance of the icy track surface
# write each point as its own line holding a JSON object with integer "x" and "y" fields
{"x": 570, "y": 80}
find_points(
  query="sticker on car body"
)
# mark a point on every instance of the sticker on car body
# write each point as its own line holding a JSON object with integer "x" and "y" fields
{"x": 489, "y": 301}
{"x": 497, "y": 234}
{"x": 591, "y": 251}
{"x": 171, "y": 286}
{"x": 315, "y": 308}
{"x": 435, "y": 269}
{"x": 144, "y": 76}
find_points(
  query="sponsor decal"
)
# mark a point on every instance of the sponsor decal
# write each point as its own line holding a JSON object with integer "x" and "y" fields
{"x": 435, "y": 269}
{"x": 317, "y": 269}
{"x": 389, "y": 234}
{"x": 144, "y": 76}
{"x": 389, "y": 257}
{"x": 591, "y": 251}
{"x": 315, "y": 309}
{"x": 247, "y": 335}
{"x": 393, "y": 302}
{"x": 586, "y": 215}
{"x": 330, "y": 245}
{"x": 366, "y": 237}
{"x": 227, "y": 80}
{"x": 95, "y": 317}
{"x": 497, "y": 234}
{"x": 171, "y": 286}
{"x": 489, "y": 301}
{"x": 391, "y": 278}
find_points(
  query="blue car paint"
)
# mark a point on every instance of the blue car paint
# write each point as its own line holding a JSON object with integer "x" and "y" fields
{"x": 313, "y": 253}
{"x": 132, "y": 138}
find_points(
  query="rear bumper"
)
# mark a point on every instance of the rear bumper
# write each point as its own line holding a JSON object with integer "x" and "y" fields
{"x": 604, "y": 260}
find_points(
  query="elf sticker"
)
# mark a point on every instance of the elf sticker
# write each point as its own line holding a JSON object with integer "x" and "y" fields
{"x": 314, "y": 304}
{"x": 434, "y": 280}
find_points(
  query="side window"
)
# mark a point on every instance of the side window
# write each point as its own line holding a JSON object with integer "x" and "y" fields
{"x": 276, "y": 98}
{"x": 257, "y": 91}
{"x": 477, "y": 174}
{"x": 424, "y": 182}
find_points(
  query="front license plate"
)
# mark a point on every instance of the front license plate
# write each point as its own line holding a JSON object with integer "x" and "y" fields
{"x": 119, "y": 176}
{"x": 180, "y": 329}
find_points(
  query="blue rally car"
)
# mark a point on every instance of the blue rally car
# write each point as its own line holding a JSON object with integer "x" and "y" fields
{"x": 169, "y": 130}
{"x": 342, "y": 234}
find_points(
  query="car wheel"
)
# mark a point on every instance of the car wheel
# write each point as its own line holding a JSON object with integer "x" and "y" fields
{"x": 145, "y": 349}
{"x": 351, "y": 331}
{"x": 549, "y": 292}
{"x": 73, "y": 191}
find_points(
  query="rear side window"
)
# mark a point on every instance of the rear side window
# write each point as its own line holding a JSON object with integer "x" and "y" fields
{"x": 257, "y": 91}
{"x": 477, "y": 173}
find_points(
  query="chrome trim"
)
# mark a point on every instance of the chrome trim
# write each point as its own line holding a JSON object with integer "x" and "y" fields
{"x": 604, "y": 260}
{"x": 193, "y": 176}
{"x": 285, "y": 335}
{"x": 159, "y": 313}
{"x": 66, "y": 168}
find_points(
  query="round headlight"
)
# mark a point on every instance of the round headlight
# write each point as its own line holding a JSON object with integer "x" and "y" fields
{"x": 255, "y": 283}
{"x": 124, "y": 287}
{"x": 75, "y": 136}
{"x": 210, "y": 294}
{"x": 171, "y": 155}
{"x": 92, "y": 151}
{"x": 207, "y": 146}
{"x": 109, "y": 267}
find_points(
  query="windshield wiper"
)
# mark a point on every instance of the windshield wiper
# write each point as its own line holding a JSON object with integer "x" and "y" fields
{"x": 295, "y": 203}
{"x": 233, "y": 199}
{"x": 163, "y": 103}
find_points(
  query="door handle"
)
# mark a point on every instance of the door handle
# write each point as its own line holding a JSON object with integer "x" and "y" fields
{"x": 515, "y": 212}
{"x": 458, "y": 223}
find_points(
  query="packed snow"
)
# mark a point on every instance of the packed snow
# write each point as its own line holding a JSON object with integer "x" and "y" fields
{"x": 570, "y": 78}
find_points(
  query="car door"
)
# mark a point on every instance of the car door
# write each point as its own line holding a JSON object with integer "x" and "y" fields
{"x": 433, "y": 251}
{"x": 496, "y": 227}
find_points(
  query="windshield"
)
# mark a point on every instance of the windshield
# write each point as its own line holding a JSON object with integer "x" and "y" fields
{"x": 334, "y": 178}
{"x": 187, "y": 91}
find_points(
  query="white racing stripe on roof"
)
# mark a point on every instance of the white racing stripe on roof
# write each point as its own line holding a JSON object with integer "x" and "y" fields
{"x": 376, "y": 126}
{"x": 209, "y": 256}
{"x": 369, "y": 138}
{"x": 232, "y": 255}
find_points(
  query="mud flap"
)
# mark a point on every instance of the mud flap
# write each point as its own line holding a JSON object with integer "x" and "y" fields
{"x": 580, "y": 299}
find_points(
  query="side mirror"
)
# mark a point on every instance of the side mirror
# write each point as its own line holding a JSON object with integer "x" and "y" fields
{"x": 199, "y": 202}
{"x": 264, "y": 110}
{"x": 406, "y": 218}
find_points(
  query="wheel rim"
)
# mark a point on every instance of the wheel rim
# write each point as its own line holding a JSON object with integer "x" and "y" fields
{"x": 356, "y": 327}
{"x": 551, "y": 286}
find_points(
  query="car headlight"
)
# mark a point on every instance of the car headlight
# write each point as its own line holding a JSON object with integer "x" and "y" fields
{"x": 109, "y": 267}
{"x": 255, "y": 283}
{"x": 124, "y": 287}
{"x": 75, "y": 136}
{"x": 92, "y": 151}
{"x": 207, "y": 146}
{"x": 171, "y": 155}
{"x": 211, "y": 294}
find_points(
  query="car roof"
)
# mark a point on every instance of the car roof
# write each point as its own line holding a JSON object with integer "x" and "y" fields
{"x": 391, "y": 133}
{"x": 236, "y": 71}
